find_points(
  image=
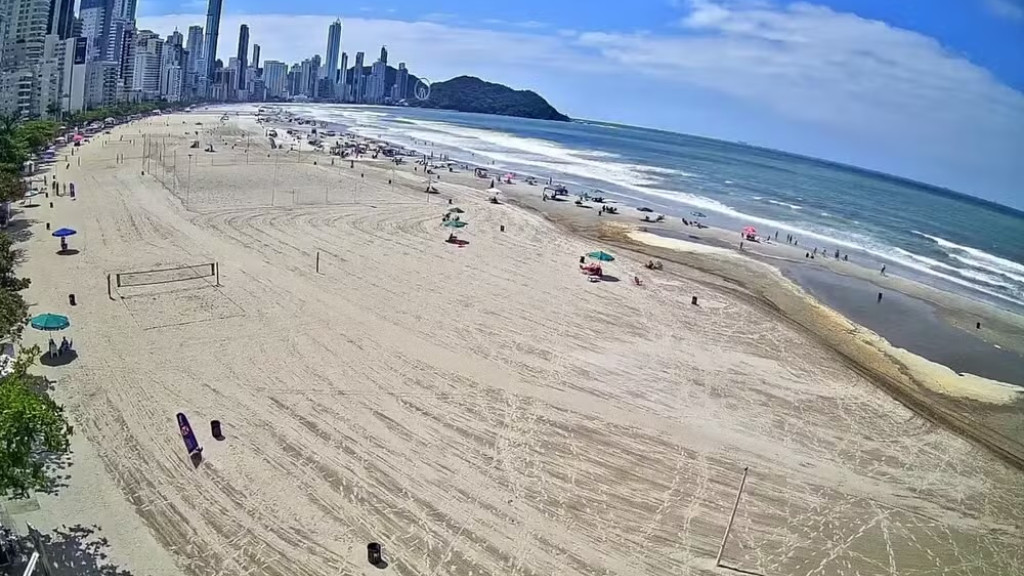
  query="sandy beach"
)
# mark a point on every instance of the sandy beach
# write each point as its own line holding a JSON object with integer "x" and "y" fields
{"x": 477, "y": 409}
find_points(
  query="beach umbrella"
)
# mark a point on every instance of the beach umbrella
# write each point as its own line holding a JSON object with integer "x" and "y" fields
{"x": 50, "y": 322}
{"x": 78, "y": 138}
{"x": 494, "y": 190}
{"x": 602, "y": 256}
{"x": 699, "y": 214}
{"x": 457, "y": 210}
{"x": 63, "y": 233}
{"x": 749, "y": 231}
{"x": 454, "y": 224}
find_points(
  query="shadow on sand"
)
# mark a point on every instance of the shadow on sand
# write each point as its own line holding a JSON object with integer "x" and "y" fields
{"x": 75, "y": 551}
{"x": 63, "y": 360}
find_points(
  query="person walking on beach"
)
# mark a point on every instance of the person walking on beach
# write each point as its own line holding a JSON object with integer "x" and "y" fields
{"x": 883, "y": 269}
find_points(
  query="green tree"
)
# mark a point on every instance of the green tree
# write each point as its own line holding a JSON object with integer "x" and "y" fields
{"x": 31, "y": 425}
{"x": 13, "y": 308}
{"x": 34, "y": 135}
{"x": 12, "y": 154}
{"x": 12, "y": 187}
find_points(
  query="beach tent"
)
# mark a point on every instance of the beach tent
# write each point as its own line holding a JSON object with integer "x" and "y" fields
{"x": 457, "y": 210}
{"x": 454, "y": 224}
{"x": 50, "y": 322}
{"x": 602, "y": 256}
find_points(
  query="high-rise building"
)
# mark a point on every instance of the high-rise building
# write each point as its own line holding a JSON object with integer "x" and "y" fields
{"x": 342, "y": 85}
{"x": 194, "y": 45}
{"x": 359, "y": 80}
{"x": 314, "y": 88}
{"x": 243, "y": 55}
{"x": 62, "y": 19}
{"x": 401, "y": 83}
{"x": 194, "y": 66}
{"x": 275, "y": 78}
{"x": 174, "y": 63}
{"x": 384, "y": 55}
{"x": 376, "y": 88}
{"x": 146, "y": 67}
{"x": 27, "y": 24}
{"x": 256, "y": 56}
{"x": 210, "y": 42}
{"x": 95, "y": 16}
{"x": 74, "y": 82}
{"x": 122, "y": 18}
{"x": 333, "y": 48}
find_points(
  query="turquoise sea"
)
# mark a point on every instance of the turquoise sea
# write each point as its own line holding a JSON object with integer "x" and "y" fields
{"x": 937, "y": 236}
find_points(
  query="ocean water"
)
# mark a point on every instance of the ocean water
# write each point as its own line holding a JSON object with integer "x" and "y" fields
{"x": 936, "y": 236}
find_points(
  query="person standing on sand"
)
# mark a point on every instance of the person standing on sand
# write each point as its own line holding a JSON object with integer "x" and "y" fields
{"x": 883, "y": 269}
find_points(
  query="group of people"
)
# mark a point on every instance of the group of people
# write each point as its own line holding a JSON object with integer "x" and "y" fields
{"x": 63, "y": 348}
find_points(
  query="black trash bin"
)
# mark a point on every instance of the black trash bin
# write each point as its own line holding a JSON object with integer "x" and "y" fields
{"x": 215, "y": 429}
{"x": 374, "y": 553}
{"x": 71, "y": 300}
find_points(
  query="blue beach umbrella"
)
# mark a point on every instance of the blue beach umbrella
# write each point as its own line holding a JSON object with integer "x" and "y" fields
{"x": 64, "y": 233}
{"x": 50, "y": 322}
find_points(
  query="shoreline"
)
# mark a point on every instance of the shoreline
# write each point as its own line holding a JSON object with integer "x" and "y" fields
{"x": 1004, "y": 327}
{"x": 959, "y": 402}
{"x": 473, "y": 406}
{"x": 721, "y": 216}
{"x": 930, "y": 390}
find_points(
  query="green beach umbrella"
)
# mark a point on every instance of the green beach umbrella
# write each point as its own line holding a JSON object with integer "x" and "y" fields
{"x": 457, "y": 210}
{"x": 602, "y": 256}
{"x": 454, "y": 224}
{"x": 50, "y": 322}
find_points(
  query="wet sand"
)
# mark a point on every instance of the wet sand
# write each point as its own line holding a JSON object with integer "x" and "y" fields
{"x": 481, "y": 409}
{"x": 910, "y": 323}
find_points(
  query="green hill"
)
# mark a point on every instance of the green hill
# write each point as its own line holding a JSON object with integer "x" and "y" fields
{"x": 470, "y": 94}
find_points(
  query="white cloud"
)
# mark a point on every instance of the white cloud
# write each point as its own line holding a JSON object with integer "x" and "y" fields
{"x": 1009, "y": 9}
{"x": 857, "y": 80}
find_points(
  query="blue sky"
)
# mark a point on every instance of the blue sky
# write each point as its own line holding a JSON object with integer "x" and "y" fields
{"x": 927, "y": 89}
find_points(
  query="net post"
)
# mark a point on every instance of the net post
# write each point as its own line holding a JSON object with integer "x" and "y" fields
{"x": 110, "y": 292}
{"x": 318, "y": 261}
{"x": 732, "y": 517}
{"x": 216, "y": 270}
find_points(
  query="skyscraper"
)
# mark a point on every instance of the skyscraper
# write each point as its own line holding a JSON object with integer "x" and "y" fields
{"x": 360, "y": 80}
{"x": 342, "y": 87}
{"x": 95, "y": 15}
{"x": 122, "y": 20}
{"x": 212, "y": 31}
{"x": 333, "y": 47}
{"x": 275, "y": 75}
{"x": 401, "y": 83}
{"x": 255, "y": 55}
{"x": 62, "y": 19}
{"x": 384, "y": 55}
{"x": 194, "y": 45}
{"x": 243, "y": 54}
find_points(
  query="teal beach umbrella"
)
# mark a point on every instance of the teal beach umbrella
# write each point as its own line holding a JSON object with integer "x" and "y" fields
{"x": 50, "y": 322}
{"x": 602, "y": 256}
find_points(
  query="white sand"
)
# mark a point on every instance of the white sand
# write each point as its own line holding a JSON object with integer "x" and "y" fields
{"x": 479, "y": 410}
